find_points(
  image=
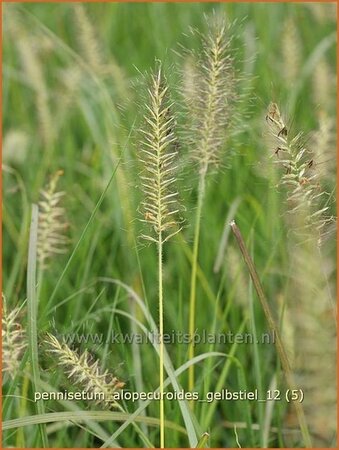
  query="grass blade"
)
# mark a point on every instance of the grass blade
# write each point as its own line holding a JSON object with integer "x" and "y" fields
{"x": 80, "y": 416}
{"x": 32, "y": 309}
{"x": 167, "y": 382}
{"x": 185, "y": 410}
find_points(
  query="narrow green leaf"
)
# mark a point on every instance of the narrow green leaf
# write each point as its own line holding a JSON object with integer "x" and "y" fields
{"x": 32, "y": 309}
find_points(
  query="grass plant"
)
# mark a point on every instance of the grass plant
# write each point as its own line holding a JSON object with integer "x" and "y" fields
{"x": 114, "y": 266}
{"x": 157, "y": 156}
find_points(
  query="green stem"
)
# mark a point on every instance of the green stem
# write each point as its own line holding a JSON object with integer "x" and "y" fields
{"x": 274, "y": 328}
{"x": 161, "y": 344}
{"x": 201, "y": 195}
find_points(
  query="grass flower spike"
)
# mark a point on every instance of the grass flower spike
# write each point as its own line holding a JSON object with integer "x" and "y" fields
{"x": 309, "y": 302}
{"x": 160, "y": 206}
{"x": 211, "y": 110}
{"x": 185, "y": 253}
{"x": 51, "y": 238}
{"x": 13, "y": 339}
{"x": 158, "y": 157}
{"x": 305, "y": 198}
{"x": 210, "y": 117}
{"x": 85, "y": 371}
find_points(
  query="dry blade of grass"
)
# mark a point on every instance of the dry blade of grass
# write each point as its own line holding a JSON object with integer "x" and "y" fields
{"x": 274, "y": 329}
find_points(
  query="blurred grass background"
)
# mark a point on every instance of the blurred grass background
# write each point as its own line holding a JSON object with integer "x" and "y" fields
{"x": 71, "y": 95}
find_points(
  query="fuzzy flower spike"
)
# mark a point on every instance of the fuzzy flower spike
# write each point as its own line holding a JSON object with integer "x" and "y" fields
{"x": 85, "y": 371}
{"x": 158, "y": 158}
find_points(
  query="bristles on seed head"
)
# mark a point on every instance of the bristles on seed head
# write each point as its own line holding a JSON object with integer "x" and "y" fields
{"x": 307, "y": 206}
{"x": 52, "y": 224}
{"x": 13, "y": 339}
{"x": 85, "y": 371}
{"x": 210, "y": 110}
{"x": 158, "y": 154}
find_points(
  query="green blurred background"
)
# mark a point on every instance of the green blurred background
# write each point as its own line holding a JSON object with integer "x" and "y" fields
{"x": 72, "y": 89}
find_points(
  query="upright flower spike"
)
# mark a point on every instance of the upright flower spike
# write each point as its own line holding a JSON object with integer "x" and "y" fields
{"x": 52, "y": 224}
{"x": 211, "y": 109}
{"x": 211, "y": 113}
{"x": 157, "y": 155}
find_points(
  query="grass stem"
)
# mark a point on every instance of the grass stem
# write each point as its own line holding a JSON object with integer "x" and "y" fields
{"x": 161, "y": 343}
{"x": 192, "y": 305}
